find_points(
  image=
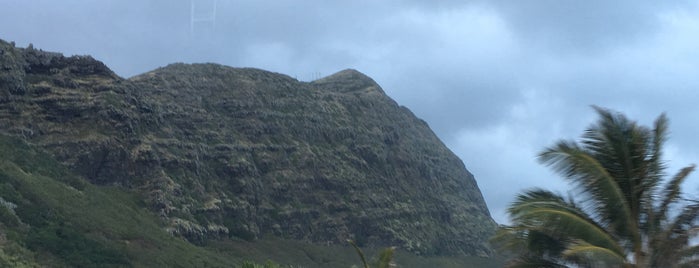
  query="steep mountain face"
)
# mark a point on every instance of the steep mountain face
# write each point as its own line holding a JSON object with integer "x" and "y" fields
{"x": 221, "y": 152}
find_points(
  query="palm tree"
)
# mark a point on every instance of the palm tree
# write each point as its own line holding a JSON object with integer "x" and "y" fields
{"x": 385, "y": 257}
{"x": 622, "y": 214}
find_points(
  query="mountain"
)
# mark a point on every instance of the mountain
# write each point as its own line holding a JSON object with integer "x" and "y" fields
{"x": 219, "y": 154}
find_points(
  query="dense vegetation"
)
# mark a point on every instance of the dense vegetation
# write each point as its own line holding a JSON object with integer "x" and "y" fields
{"x": 205, "y": 165}
{"x": 624, "y": 213}
{"x": 245, "y": 154}
{"x": 51, "y": 217}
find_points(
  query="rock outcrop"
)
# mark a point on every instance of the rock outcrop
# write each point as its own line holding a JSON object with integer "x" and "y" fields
{"x": 224, "y": 152}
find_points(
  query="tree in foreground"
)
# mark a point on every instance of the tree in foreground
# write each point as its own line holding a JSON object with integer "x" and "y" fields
{"x": 625, "y": 213}
{"x": 385, "y": 257}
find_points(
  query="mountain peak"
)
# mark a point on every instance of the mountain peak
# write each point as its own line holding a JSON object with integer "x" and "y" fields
{"x": 349, "y": 80}
{"x": 348, "y": 74}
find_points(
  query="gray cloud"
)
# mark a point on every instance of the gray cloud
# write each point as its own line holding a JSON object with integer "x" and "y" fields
{"x": 584, "y": 26}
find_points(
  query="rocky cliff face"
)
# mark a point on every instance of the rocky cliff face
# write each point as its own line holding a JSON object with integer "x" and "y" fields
{"x": 223, "y": 152}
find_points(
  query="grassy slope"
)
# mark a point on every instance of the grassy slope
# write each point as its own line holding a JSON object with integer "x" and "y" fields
{"x": 71, "y": 223}
{"x": 62, "y": 221}
{"x": 301, "y": 254}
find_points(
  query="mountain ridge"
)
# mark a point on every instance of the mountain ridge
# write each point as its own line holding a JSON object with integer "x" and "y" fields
{"x": 242, "y": 153}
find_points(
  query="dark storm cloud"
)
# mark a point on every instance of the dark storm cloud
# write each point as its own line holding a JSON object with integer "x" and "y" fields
{"x": 497, "y": 80}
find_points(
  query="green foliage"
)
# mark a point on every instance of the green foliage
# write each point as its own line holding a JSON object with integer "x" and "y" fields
{"x": 74, "y": 247}
{"x": 384, "y": 260}
{"x": 268, "y": 264}
{"x": 622, "y": 214}
{"x": 62, "y": 226}
{"x": 71, "y": 227}
{"x": 11, "y": 261}
{"x": 8, "y": 217}
{"x": 302, "y": 254}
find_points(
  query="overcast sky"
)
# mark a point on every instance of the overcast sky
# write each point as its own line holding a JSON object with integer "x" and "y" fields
{"x": 496, "y": 80}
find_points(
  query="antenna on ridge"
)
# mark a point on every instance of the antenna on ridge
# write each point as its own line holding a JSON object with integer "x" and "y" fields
{"x": 202, "y": 12}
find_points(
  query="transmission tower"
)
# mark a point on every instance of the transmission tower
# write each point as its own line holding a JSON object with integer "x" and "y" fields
{"x": 202, "y": 13}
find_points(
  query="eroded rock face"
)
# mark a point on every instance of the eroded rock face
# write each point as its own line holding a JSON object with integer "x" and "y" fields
{"x": 227, "y": 152}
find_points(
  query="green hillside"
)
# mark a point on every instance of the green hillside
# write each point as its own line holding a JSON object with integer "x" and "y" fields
{"x": 52, "y": 217}
{"x": 204, "y": 165}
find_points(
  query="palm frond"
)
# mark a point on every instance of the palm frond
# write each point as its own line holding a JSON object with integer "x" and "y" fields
{"x": 671, "y": 245}
{"x": 684, "y": 223}
{"x": 581, "y": 252}
{"x": 660, "y": 129}
{"x": 359, "y": 252}
{"x": 622, "y": 215}
{"x": 672, "y": 191}
{"x": 528, "y": 240}
{"x": 591, "y": 178}
{"x": 627, "y": 151}
{"x": 386, "y": 258}
{"x": 533, "y": 262}
{"x": 687, "y": 217}
{"x": 550, "y": 211}
{"x": 509, "y": 238}
{"x": 690, "y": 252}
